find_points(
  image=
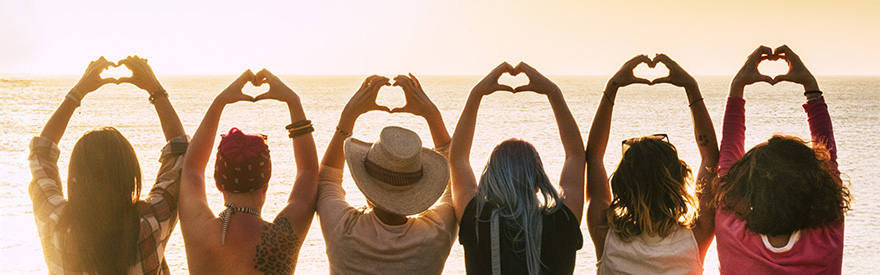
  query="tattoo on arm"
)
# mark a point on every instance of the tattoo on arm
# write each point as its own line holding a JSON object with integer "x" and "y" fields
{"x": 703, "y": 140}
{"x": 277, "y": 253}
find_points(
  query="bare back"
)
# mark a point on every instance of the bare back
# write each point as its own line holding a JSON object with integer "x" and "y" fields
{"x": 253, "y": 246}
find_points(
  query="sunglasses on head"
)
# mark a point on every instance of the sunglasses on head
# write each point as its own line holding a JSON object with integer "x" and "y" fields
{"x": 627, "y": 142}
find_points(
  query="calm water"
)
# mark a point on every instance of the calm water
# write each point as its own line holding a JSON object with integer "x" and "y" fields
{"x": 854, "y": 104}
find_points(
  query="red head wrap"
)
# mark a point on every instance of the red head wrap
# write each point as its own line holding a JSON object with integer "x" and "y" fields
{"x": 243, "y": 162}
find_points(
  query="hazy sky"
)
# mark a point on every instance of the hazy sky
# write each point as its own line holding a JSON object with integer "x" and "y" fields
{"x": 433, "y": 37}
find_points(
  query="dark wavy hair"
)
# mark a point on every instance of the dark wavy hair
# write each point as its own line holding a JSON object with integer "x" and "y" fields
{"x": 104, "y": 183}
{"x": 783, "y": 185}
{"x": 650, "y": 191}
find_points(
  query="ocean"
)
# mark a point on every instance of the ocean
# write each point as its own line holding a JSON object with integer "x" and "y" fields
{"x": 854, "y": 104}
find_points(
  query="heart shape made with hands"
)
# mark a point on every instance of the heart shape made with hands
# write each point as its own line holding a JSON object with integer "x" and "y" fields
{"x": 651, "y": 69}
{"x": 514, "y": 79}
{"x": 773, "y": 65}
{"x": 258, "y": 87}
{"x": 115, "y": 72}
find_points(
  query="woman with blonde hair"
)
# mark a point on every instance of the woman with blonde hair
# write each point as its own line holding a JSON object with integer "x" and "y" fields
{"x": 646, "y": 222}
{"x": 515, "y": 221}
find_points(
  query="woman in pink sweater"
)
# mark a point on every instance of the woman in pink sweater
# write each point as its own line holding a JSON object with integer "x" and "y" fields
{"x": 781, "y": 205}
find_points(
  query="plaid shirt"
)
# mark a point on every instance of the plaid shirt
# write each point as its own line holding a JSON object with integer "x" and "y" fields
{"x": 158, "y": 213}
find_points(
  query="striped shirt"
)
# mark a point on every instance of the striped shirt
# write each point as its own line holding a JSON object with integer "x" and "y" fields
{"x": 158, "y": 212}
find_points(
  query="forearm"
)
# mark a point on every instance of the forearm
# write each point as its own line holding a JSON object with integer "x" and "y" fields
{"x": 597, "y": 139}
{"x": 439, "y": 133}
{"x": 203, "y": 140}
{"x": 732, "y": 134}
{"x": 463, "y": 137}
{"x": 306, "y": 158}
{"x": 171, "y": 125}
{"x": 598, "y": 192}
{"x": 704, "y": 130}
{"x": 334, "y": 156}
{"x": 569, "y": 133}
{"x": 821, "y": 130}
{"x": 305, "y": 154}
{"x": 57, "y": 124}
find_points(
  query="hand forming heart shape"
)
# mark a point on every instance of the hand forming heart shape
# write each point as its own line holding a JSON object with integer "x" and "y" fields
{"x": 277, "y": 89}
{"x": 796, "y": 73}
{"x": 538, "y": 83}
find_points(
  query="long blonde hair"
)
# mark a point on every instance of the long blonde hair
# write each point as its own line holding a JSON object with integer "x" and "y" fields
{"x": 650, "y": 191}
{"x": 510, "y": 182}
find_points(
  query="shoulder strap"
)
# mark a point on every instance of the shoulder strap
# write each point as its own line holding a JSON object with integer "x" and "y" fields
{"x": 496, "y": 244}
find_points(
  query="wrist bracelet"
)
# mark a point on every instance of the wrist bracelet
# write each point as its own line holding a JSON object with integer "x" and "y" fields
{"x": 342, "y": 132}
{"x": 604, "y": 95}
{"x": 160, "y": 92}
{"x": 302, "y": 131}
{"x": 74, "y": 98}
{"x": 695, "y": 101}
{"x": 813, "y": 92}
{"x": 298, "y": 124}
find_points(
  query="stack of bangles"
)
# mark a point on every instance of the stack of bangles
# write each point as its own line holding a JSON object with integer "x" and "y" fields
{"x": 299, "y": 128}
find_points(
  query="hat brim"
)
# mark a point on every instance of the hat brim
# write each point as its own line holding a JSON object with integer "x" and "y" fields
{"x": 402, "y": 200}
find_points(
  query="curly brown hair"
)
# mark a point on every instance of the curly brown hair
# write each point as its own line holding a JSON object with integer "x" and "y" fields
{"x": 650, "y": 191}
{"x": 783, "y": 185}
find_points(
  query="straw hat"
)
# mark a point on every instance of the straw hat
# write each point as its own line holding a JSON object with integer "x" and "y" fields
{"x": 395, "y": 173}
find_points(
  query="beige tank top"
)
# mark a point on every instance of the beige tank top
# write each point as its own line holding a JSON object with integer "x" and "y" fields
{"x": 676, "y": 254}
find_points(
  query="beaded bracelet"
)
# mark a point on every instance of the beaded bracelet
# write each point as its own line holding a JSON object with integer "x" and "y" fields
{"x": 302, "y": 131}
{"x": 160, "y": 92}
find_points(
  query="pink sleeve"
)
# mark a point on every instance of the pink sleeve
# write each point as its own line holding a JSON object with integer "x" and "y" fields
{"x": 732, "y": 134}
{"x": 820, "y": 128}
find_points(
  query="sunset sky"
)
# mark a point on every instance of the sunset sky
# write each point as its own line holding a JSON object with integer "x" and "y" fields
{"x": 457, "y": 37}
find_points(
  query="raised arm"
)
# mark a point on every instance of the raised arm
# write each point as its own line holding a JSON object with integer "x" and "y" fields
{"x": 704, "y": 133}
{"x": 464, "y": 183}
{"x": 143, "y": 77}
{"x": 821, "y": 131}
{"x": 364, "y": 100}
{"x": 90, "y": 81}
{"x": 571, "y": 179}
{"x": 300, "y": 207}
{"x": 733, "y": 126}
{"x": 194, "y": 209}
{"x": 418, "y": 103}
{"x": 598, "y": 190}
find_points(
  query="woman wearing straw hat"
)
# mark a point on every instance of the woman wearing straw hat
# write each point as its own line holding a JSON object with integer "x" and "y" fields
{"x": 403, "y": 231}
{"x": 505, "y": 227}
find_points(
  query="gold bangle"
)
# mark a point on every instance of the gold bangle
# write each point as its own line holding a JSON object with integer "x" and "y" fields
{"x": 298, "y": 124}
{"x": 299, "y": 128}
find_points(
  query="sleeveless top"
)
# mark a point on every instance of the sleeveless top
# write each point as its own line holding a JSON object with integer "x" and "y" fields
{"x": 677, "y": 253}
{"x": 561, "y": 238}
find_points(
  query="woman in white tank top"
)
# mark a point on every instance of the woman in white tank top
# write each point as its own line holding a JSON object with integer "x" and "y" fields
{"x": 650, "y": 225}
